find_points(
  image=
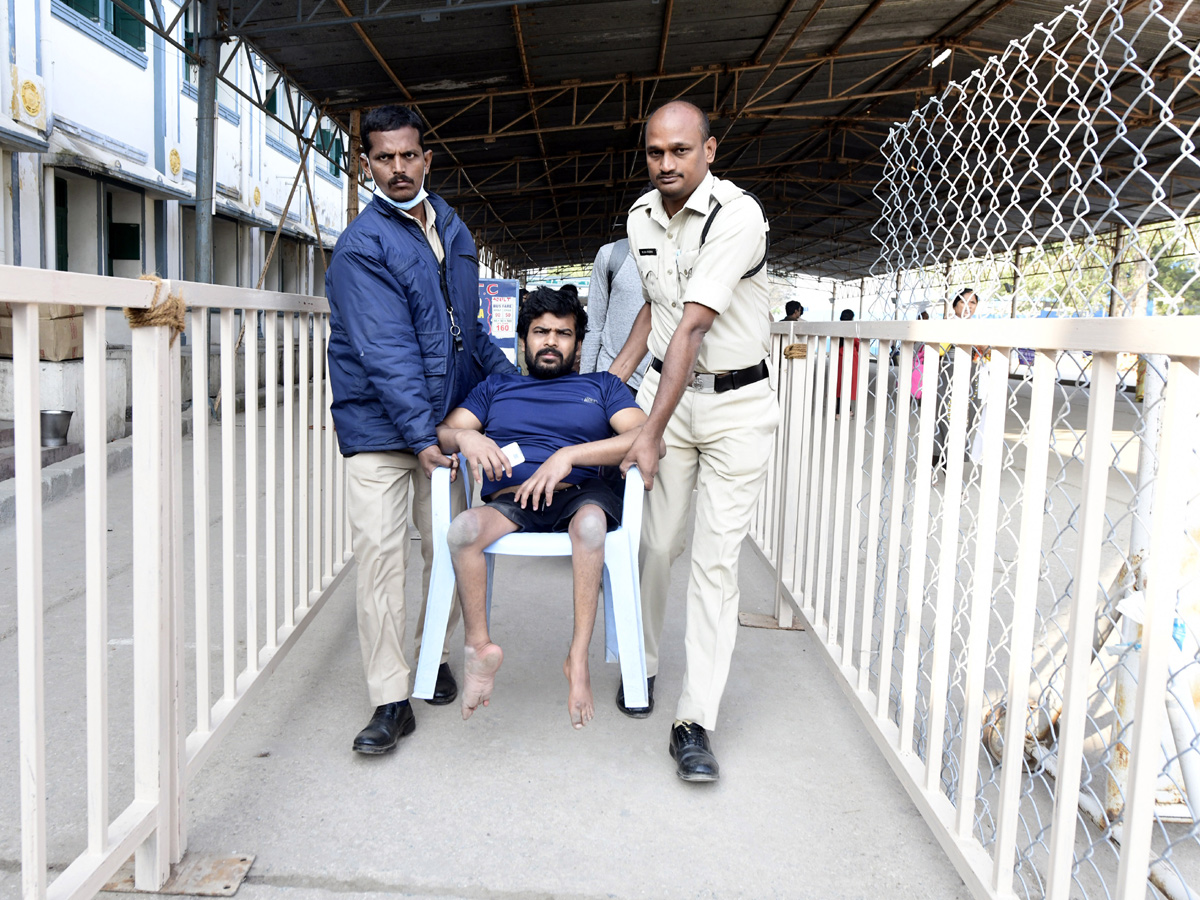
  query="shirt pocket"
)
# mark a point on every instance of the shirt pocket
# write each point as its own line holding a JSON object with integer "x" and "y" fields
{"x": 686, "y": 263}
{"x": 648, "y": 273}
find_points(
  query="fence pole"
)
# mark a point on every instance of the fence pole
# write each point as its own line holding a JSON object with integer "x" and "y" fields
{"x": 152, "y": 644}
{"x": 28, "y": 457}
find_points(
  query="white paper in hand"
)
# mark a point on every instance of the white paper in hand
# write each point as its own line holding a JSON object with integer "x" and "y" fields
{"x": 514, "y": 454}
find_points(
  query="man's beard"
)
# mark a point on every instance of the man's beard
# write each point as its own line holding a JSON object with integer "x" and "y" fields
{"x": 550, "y": 366}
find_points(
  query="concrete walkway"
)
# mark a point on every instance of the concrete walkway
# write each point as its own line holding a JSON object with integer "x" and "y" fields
{"x": 513, "y": 803}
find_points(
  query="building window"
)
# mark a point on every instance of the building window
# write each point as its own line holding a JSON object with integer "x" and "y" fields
{"x": 115, "y": 20}
{"x": 191, "y": 69}
{"x": 227, "y": 97}
{"x": 329, "y": 140}
{"x": 61, "y": 258}
{"x": 275, "y": 103}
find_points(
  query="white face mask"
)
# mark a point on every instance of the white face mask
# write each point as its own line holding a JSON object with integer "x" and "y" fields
{"x": 405, "y": 205}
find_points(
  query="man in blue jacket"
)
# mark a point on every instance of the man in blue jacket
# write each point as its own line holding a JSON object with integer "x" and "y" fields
{"x": 406, "y": 346}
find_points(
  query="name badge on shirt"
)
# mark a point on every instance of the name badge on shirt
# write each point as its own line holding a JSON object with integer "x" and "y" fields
{"x": 647, "y": 251}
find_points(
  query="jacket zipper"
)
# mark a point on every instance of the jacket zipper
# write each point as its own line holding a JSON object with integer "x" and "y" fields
{"x": 455, "y": 331}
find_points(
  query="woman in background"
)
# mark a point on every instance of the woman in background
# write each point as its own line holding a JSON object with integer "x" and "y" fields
{"x": 847, "y": 316}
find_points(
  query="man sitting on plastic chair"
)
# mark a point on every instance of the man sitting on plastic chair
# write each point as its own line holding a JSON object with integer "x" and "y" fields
{"x": 536, "y": 443}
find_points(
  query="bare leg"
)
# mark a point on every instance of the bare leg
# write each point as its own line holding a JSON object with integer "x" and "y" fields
{"x": 470, "y": 532}
{"x": 587, "y": 530}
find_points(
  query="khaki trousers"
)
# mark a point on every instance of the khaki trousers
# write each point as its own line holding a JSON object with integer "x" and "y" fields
{"x": 379, "y": 487}
{"x": 719, "y": 445}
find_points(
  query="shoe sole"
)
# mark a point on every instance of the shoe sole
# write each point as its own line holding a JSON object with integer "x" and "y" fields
{"x": 375, "y": 750}
{"x": 442, "y": 701}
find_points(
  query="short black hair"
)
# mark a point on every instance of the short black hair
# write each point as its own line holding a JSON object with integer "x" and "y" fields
{"x": 847, "y": 315}
{"x": 961, "y": 297}
{"x": 563, "y": 302}
{"x": 793, "y": 306}
{"x": 390, "y": 118}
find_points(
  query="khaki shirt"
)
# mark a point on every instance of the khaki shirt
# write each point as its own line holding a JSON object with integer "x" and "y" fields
{"x": 429, "y": 228}
{"x": 675, "y": 270}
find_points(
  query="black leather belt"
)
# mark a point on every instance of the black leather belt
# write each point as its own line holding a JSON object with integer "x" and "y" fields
{"x": 726, "y": 381}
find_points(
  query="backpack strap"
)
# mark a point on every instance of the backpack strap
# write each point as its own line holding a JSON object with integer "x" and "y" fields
{"x": 712, "y": 215}
{"x": 616, "y": 259}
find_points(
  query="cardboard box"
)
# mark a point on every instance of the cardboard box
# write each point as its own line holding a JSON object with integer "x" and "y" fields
{"x": 58, "y": 339}
{"x": 46, "y": 311}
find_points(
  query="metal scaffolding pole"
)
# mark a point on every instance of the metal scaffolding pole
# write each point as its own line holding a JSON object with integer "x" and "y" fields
{"x": 206, "y": 135}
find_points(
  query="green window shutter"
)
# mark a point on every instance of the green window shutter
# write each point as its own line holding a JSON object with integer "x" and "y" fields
{"x": 335, "y": 167}
{"x": 330, "y": 143}
{"x": 89, "y": 8}
{"x": 60, "y": 225}
{"x": 126, "y": 27}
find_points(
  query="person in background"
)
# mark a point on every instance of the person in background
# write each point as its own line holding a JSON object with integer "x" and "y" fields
{"x": 792, "y": 311}
{"x": 614, "y": 300}
{"x": 846, "y": 316}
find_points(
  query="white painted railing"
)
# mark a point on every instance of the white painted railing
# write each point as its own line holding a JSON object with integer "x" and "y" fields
{"x": 1057, "y": 572}
{"x": 282, "y": 503}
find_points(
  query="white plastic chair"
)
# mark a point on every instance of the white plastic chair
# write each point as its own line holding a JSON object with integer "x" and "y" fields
{"x": 622, "y": 593}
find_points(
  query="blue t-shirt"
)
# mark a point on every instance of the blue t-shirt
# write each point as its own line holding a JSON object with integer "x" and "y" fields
{"x": 543, "y": 416}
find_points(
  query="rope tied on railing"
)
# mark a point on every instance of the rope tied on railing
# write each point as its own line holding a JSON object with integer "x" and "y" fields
{"x": 169, "y": 313}
{"x": 795, "y": 351}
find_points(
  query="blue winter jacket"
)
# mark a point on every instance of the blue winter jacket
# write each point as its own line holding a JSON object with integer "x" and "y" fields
{"x": 393, "y": 365}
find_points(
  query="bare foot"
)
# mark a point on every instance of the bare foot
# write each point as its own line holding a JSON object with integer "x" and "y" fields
{"x": 579, "y": 696}
{"x": 479, "y": 669}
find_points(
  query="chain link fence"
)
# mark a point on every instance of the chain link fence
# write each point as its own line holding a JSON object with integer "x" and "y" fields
{"x": 1061, "y": 180}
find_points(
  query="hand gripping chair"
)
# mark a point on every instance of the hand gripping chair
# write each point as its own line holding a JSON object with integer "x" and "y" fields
{"x": 622, "y": 593}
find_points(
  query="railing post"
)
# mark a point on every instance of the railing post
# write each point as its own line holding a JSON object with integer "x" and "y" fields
{"x": 176, "y": 725}
{"x": 26, "y": 400}
{"x": 153, "y": 643}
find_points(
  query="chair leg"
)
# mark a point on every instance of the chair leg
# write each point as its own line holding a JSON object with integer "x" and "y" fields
{"x": 622, "y": 586}
{"x": 491, "y": 568}
{"x": 612, "y": 649}
{"x": 437, "y": 615}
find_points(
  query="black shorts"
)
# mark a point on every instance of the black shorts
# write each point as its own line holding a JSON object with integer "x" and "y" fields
{"x": 557, "y": 516}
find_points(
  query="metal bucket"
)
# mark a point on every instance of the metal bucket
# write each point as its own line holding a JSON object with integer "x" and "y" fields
{"x": 55, "y": 423}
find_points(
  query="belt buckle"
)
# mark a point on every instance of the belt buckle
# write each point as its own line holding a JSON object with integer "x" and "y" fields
{"x": 703, "y": 382}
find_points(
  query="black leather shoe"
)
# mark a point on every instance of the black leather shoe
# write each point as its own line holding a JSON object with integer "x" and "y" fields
{"x": 637, "y": 712}
{"x": 391, "y": 722}
{"x": 694, "y": 758}
{"x": 446, "y": 688}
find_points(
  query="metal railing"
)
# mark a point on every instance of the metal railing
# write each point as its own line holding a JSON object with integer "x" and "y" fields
{"x": 940, "y": 595}
{"x": 1000, "y": 552}
{"x": 280, "y": 501}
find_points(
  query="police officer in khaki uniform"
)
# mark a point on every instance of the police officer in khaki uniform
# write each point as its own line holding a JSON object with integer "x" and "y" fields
{"x": 700, "y": 245}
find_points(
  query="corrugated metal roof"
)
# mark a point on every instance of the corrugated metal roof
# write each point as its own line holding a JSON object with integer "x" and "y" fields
{"x": 542, "y": 157}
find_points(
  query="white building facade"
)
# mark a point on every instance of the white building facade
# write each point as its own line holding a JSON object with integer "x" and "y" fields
{"x": 98, "y": 152}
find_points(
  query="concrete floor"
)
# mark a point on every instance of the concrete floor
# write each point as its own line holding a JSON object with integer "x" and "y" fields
{"x": 513, "y": 803}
